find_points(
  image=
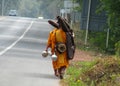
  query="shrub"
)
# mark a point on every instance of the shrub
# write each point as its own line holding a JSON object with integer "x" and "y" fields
{"x": 117, "y": 48}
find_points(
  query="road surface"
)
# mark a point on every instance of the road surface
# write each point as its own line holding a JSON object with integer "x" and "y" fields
{"x": 21, "y": 42}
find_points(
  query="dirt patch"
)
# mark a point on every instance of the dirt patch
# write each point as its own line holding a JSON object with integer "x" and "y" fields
{"x": 83, "y": 55}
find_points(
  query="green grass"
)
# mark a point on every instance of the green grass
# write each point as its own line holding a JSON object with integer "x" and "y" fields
{"x": 74, "y": 71}
{"x": 100, "y": 72}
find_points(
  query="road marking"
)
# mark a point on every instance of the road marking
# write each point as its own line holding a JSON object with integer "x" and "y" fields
{"x": 14, "y": 43}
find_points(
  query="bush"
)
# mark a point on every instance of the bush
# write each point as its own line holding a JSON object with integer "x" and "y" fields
{"x": 98, "y": 39}
{"x": 117, "y": 48}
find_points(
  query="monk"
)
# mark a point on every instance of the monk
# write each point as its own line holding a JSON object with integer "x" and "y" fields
{"x": 58, "y": 36}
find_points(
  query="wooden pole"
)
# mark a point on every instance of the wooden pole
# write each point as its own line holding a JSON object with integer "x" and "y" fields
{"x": 88, "y": 20}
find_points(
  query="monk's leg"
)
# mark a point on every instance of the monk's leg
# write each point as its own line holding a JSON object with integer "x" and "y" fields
{"x": 62, "y": 71}
{"x": 56, "y": 72}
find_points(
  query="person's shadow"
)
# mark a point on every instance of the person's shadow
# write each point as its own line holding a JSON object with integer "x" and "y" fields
{"x": 39, "y": 75}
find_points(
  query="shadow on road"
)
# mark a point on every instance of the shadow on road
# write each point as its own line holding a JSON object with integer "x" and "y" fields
{"x": 39, "y": 75}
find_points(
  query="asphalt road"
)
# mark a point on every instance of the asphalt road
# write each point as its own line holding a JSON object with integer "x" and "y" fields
{"x": 21, "y": 42}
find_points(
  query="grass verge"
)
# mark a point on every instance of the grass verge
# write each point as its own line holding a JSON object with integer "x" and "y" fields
{"x": 100, "y": 72}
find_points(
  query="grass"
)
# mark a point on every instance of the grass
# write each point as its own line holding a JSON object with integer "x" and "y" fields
{"x": 72, "y": 77}
{"x": 100, "y": 72}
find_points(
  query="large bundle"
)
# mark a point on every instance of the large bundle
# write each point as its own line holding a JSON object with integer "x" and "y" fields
{"x": 53, "y": 23}
{"x": 69, "y": 38}
{"x": 64, "y": 24}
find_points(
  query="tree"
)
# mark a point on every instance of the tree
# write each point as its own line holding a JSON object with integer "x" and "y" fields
{"x": 33, "y": 8}
{"x": 112, "y": 8}
{"x": 80, "y": 2}
{"x": 51, "y": 8}
{"x": 29, "y": 8}
{"x": 9, "y": 4}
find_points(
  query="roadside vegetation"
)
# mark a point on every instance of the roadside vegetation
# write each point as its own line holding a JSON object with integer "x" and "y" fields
{"x": 99, "y": 72}
{"x": 104, "y": 70}
{"x": 98, "y": 40}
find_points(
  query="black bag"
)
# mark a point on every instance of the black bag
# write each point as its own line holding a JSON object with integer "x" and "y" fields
{"x": 70, "y": 46}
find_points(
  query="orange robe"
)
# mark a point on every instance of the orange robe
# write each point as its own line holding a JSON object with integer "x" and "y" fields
{"x": 58, "y": 35}
{"x": 51, "y": 34}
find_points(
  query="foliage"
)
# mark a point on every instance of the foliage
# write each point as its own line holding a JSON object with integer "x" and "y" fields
{"x": 98, "y": 39}
{"x": 79, "y": 8}
{"x": 100, "y": 72}
{"x": 112, "y": 8}
{"x": 117, "y": 47}
{"x": 74, "y": 71}
{"x": 51, "y": 8}
{"x": 29, "y": 8}
{"x": 8, "y": 5}
{"x": 33, "y": 8}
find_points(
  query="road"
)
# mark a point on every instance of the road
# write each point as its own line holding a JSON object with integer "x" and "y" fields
{"x": 21, "y": 42}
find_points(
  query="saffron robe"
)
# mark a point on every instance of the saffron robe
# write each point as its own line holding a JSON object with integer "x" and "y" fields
{"x": 58, "y": 35}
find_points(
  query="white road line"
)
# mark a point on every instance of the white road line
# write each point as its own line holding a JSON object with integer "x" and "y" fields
{"x": 14, "y": 43}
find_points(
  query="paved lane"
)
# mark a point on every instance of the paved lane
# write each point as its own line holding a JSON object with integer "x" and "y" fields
{"x": 22, "y": 64}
